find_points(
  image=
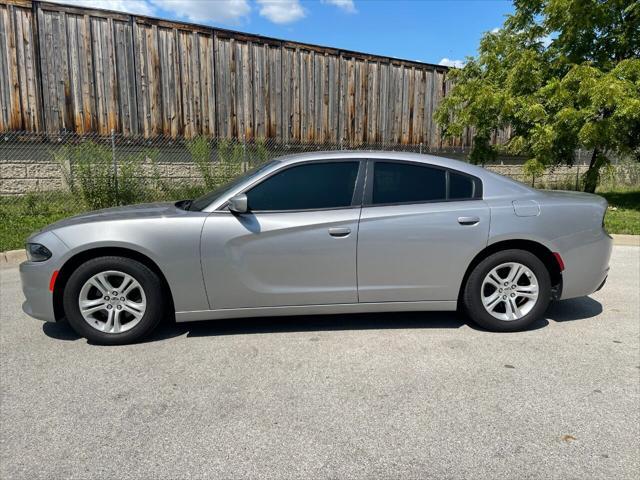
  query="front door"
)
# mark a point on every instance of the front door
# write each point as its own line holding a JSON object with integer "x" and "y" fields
{"x": 419, "y": 229}
{"x": 295, "y": 246}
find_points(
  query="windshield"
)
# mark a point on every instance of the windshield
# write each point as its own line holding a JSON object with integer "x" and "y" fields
{"x": 208, "y": 198}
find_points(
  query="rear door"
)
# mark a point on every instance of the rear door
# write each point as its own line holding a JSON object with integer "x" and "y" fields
{"x": 296, "y": 245}
{"x": 420, "y": 227}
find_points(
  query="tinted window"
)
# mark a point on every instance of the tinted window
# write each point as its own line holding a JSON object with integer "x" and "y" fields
{"x": 460, "y": 186}
{"x": 211, "y": 197}
{"x": 405, "y": 183}
{"x": 310, "y": 186}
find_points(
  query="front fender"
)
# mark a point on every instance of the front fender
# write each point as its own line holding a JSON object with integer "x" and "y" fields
{"x": 172, "y": 244}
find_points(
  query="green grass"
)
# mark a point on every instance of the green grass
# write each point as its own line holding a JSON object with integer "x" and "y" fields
{"x": 623, "y": 215}
{"x": 21, "y": 216}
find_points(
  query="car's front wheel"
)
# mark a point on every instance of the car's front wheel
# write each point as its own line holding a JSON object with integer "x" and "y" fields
{"x": 113, "y": 300}
{"x": 508, "y": 291}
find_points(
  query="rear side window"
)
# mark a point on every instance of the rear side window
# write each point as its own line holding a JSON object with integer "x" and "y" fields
{"x": 406, "y": 183}
{"x": 306, "y": 187}
{"x": 461, "y": 187}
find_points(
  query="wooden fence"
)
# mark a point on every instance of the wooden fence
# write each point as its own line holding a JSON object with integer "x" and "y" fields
{"x": 65, "y": 68}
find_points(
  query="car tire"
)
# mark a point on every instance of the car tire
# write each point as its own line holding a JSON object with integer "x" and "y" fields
{"x": 128, "y": 315}
{"x": 509, "y": 305}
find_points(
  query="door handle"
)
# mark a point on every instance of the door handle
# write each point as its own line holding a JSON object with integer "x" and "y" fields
{"x": 339, "y": 231}
{"x": 468, "y": 220}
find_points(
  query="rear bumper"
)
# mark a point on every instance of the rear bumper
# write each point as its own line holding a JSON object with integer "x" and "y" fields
{"x": 586, "y": 264}
{"x": 602, "y": 284}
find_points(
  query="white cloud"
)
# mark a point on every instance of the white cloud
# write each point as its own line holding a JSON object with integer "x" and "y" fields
{"x": 203, "y": 11}
{"x": 199, "y": 11}
{"x": 141, "y": 7}
{"x": 495, "y": 30}
{"x": 447, "y": 62}
{"x": 346, "y": 5}
{"x": 281, "y": 11}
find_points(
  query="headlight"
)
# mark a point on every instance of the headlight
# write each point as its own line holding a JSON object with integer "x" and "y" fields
{"x": 37, "y": 252}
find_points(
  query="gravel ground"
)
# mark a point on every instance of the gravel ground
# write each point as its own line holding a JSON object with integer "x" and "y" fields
{"x": 357, "y": 396}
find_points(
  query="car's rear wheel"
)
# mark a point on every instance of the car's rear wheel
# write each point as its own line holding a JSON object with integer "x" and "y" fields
{"x": 113, "y": 300}
{"x": 508, "y": 291}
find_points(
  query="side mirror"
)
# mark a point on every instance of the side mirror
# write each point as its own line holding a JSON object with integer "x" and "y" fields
{"x": 238, "y": 203}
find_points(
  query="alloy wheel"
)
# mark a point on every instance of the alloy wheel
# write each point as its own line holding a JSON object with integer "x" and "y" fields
{"x": 112, "y": 302}
{"x": 509, "y": 291}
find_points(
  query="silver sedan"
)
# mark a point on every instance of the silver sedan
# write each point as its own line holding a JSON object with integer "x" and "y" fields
{"x": 323, "y": 233}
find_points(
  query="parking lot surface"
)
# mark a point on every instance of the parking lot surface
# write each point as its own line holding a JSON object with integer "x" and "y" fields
{"x": 420, "y": 395}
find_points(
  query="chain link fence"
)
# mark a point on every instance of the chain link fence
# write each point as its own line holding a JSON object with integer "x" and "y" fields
{"x": 46, "y": 177}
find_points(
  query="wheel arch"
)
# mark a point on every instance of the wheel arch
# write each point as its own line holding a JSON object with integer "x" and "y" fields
{"x": 79, "y": 258}
{"x": 541, "y": 251}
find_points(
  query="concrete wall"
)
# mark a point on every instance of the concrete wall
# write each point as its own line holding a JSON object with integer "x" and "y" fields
{"x": 22, "y": 177}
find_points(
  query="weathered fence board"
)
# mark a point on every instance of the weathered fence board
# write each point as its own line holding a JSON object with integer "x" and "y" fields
{"x": 18, "y": 77}
{"x": 67, "y": 68}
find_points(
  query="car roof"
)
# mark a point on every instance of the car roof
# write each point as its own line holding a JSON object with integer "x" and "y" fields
{"x": 384, "y": 155}
{"x": 494, "y": 185}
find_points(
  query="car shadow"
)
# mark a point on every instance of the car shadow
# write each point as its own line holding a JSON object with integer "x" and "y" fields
{"x": 561, "y": 311}
{"x": 574, "y": 309}
{"x": 312, "y": 323}
{"x": 60, "y": 331}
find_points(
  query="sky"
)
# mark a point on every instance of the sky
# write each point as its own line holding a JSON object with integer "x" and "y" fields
{"x": 431, "y": 31}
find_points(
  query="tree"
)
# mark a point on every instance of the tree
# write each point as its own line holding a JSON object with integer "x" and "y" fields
{"x": 560, "y": 75}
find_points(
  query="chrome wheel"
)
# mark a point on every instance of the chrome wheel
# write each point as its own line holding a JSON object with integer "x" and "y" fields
{"x": 112, "y": 302}
{"x": 509, "y": 291}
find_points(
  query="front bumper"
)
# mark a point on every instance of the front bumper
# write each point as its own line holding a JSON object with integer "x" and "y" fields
{"x": 36, "y": 277}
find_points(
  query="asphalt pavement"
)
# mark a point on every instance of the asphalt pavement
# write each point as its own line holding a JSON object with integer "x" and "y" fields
{"x": 412, "y": 395}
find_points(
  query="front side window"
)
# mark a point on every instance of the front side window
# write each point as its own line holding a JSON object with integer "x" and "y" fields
{"x": 306, "y": 187}
{"x": 405, "y": 183}
{"x": 207, "y": 199}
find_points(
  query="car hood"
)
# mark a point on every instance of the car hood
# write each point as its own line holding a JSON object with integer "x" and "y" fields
{"x": 145, "y": 210}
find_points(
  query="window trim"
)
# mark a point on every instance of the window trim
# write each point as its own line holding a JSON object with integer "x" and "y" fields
{"x": 368, "y": 196}
{"x": 356, "y": 199}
